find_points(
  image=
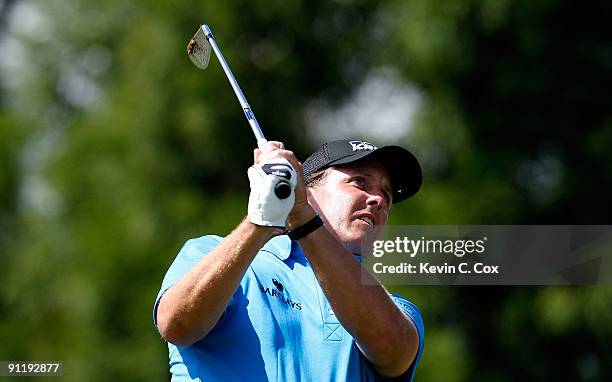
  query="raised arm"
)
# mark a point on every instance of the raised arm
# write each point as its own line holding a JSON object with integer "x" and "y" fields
{"x": 188, "y": 310}
{"x": 191, "y": 308}
{"x": 385, "y": 335}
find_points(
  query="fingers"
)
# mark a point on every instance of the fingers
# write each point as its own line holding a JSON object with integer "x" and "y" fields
{"x": 274, "y": 149}
{"x": 273, "y": 145}
{"x": 270, "y": 147}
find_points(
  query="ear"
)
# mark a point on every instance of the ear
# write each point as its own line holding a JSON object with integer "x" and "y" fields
{"x": 312, "y": 199}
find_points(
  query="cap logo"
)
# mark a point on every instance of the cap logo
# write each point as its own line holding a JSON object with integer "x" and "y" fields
{"x": 362, "y": 145}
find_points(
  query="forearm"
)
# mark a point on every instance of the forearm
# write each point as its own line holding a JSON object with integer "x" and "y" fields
{"x": 191, "y": 308}
{"x": 384, "y": 334}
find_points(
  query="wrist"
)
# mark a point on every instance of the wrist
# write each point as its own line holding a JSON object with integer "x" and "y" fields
{"x": 306, "y": 229}
{"x": 267, "y": 232}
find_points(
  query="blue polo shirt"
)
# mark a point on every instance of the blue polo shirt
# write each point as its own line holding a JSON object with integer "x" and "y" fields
{"x": 278, "y": 325}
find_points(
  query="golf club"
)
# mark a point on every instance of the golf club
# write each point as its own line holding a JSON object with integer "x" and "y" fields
{"x": 198, "y": 50}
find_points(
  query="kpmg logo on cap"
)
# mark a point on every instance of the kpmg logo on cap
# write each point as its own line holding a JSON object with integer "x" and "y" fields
{"x": 362, "y": 145}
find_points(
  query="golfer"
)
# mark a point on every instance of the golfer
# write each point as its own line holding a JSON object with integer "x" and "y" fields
{"x": 282, "y": 297}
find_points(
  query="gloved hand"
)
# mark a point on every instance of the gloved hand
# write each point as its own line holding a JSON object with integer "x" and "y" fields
{"x": 269, "y": 179}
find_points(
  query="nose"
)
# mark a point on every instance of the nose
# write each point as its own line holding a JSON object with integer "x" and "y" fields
{"x": 376, "y": 199}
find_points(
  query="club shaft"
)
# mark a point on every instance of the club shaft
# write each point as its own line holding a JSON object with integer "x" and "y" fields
{"x": 250, "y": 116}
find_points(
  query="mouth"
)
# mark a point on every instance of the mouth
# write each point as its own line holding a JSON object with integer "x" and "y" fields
{"x": 368, "y": 220}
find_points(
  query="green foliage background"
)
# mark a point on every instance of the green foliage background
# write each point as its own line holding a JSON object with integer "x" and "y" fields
{"x": 114, "y": 150}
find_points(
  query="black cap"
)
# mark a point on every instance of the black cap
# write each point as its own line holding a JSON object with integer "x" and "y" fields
{"x": 403, "y": 167}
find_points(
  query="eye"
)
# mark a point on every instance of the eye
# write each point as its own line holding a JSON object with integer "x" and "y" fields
{"x": 358, "y": 180}
{"x": 387, "y": 196}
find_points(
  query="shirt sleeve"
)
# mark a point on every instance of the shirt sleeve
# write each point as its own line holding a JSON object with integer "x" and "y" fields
{"x": 413, "y": 312}
{"x": 192, "y": 252}
{"x": 369, "y": 374}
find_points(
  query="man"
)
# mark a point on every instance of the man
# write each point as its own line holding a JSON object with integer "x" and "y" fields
{"x": 259, "y": 305}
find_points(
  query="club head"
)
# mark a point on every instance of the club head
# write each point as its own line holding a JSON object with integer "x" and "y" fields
{"x": 198, "y": 49}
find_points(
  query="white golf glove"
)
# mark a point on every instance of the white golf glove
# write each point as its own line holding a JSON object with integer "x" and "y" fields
{"x": 272, "y": 192}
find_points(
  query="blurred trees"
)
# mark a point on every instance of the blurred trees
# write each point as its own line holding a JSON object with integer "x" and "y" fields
{"x": 114, "y": 149}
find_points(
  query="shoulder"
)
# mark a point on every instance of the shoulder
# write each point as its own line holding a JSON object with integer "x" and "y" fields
{"x": 200, "y": 245}
{"x": 279, "y": 246}
{"x": 204, "y": 240}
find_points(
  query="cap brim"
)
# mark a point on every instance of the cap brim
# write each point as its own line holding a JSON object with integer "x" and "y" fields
{"x": 403, "y": 167}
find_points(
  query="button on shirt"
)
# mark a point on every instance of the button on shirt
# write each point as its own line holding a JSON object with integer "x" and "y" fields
{"x": 278, "y": 325}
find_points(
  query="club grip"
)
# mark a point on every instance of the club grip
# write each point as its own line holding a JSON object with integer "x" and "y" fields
{"x": 282, "y": 190}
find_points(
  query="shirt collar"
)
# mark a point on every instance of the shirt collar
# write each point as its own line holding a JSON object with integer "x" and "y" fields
{"x": 281, "y": 247}
{"x": 284, "y": 248}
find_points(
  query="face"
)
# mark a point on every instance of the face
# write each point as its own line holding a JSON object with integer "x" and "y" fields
{"x": 353, "y": 199}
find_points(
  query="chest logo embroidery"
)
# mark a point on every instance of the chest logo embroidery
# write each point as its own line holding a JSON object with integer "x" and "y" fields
{"x": 277, "y": 292}
{"x": 278, "y": 285}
